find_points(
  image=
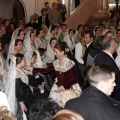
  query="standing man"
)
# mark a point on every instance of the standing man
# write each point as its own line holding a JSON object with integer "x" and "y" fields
{"x": 88, "y": 38}
{"x": 106, "y": 57}
{"x": 47, "y": 7}
{"x": 95, "y": 103}
{"x": 62, "y": 8}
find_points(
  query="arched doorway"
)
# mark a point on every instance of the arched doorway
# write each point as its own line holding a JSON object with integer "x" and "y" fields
{"x": 18, "y": 11}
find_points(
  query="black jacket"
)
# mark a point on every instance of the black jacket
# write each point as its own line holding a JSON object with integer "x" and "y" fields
{"x": 90, "y": 47}
{"x": 104, "y": 58}
{"x": 33, "y": 25}
{"x": 46, "y": 21}
{"x": 95, "y": 105}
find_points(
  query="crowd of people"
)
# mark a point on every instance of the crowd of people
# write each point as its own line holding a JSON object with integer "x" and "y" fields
{"x": 51, "y": 72}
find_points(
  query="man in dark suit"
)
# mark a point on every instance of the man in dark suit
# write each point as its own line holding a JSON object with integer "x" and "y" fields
{"x": 88, "y": 38}
{"x": 43, "y": 19}
{"x": 94, "y": 103}
{"x": 106, "y": 57}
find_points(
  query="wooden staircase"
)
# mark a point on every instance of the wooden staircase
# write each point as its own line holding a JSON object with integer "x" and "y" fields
{"x": 89, "y": 12}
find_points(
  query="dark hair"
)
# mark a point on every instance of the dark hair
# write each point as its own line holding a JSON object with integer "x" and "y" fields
{"x": 19, "y": 58}
{"x": 16, "y": 41}
{"x": 13, "y": 25}
{"x": 38, "y": 31}
{"x": 97, "y": 43}
{"x": 97, "y": 72}
{"x": 63, "y": 25}
{"x": 98, "y": 27}
{"x": 19, "y": 31}
{"x": 71, "y": 30}
{"x": 5, "y": 20}
{"x": 61, "y": 47}
{"x": 41, "y": 51}
{"x": 53, "y": 28}
{"x": 85, "y": 26}
{"x": 107, "y": 44}
{"x": 44, "y": 109}
{"x": 108, "y": 32}
{"x": 78, "y": 27}
{"x": 117, "y": 30}
{"x": 43, "y": 9}
{"x": 101, "y": 25}
{"x": 82, "y": 34}
{"x": 53, "y": 39}
{"x": 31, "y": 33}
{"x": 34, "y": 54}
{"x": 46, "y": 3}
{"x": 91, "y": 34}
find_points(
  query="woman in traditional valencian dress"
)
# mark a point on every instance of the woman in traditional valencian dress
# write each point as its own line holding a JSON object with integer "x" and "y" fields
{"x": 30, "y": 47}
{"x": 17, "y": 88}
{"x": 40, "y": 38}
{"x": 66, "y": 72}
{"x": 17, "y": 34}
{"x": 69, "y": 39}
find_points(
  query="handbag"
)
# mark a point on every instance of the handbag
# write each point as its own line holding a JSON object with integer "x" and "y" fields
{"x": 67, "y": 94}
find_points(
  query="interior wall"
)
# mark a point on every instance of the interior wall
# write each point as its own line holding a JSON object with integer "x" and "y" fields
{"x": 29, "y": 8}
{"x": 6, "y": 9}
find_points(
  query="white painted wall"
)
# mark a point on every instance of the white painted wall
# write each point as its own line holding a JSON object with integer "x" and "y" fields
{"x": 39, "y": 7}
{"x": 30, "y": 8}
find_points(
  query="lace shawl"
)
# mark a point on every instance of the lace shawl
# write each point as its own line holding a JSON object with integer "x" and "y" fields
{"x": 29, "y": 52}
{"x": 21, "y": 74}
{"x": 67, "y": 65}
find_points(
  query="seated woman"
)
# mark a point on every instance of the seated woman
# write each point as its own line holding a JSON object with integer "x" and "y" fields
{"x": 17, "y": 34}
{"x": 18, "y": 45}
{"x": 66, "y": 72}
{"x": 31, "y": 46}
{"x": 78, "y": 37}
{"x": 40, "y": 38}
{"x": 97, "y": 31}
{"x": 17, "y": 88}
{"x": 23, "y": 92}
{"x": 69, "y": 39}
{"x": 63, "y": 32}
{"x": 51, "y": 33}
{"x": 50, "y": 50}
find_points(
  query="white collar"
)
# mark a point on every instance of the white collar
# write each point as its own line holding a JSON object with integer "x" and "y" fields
{"x": 109, "y": 54}
{"x": 88, "y": 44}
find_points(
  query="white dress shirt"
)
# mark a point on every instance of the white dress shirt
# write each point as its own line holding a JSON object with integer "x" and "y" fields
{"x": 117, "y": 60}
{"x": 109, "y": 54}
{"x": 78, "y": 53}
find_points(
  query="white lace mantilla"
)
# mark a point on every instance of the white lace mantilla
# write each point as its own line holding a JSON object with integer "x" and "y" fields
{"x": 67, "y": 65}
